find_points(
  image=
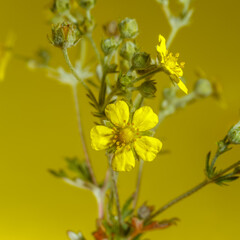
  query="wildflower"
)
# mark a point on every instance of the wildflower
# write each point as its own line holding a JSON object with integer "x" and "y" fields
{"x": 126, "y": 136}
{"x": 5, "y": 55}
{"x": 170, "y": 64}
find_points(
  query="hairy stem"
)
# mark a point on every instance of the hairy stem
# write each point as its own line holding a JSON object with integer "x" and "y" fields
{"x": 80, "y": 130}
{"x": 90, "y": 37}
{"x": 172, "y": 35}
{"x": 114, "y": 179}
{"x": 139, "y": 177}
{"x": 73, "y": 70}
{"x": 194, "y": 189}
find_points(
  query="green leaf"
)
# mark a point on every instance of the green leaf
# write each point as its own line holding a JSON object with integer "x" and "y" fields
{"x": 60, "y": 173}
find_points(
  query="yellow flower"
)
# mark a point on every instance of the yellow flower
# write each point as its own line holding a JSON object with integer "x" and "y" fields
{"x": 126, "y": 136}
{"x": 5, "y": 55}
{"x": 170, "y": 64}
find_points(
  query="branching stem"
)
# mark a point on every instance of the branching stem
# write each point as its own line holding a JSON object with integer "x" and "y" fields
{"x": 194, "y": 189}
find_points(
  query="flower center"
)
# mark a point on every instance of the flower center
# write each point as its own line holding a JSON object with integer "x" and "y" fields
{"x": 126, "y": 135}
{"x": 172, "y": 63}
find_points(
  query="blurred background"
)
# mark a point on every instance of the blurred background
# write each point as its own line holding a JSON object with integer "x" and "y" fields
{"x": 38, "y": 127}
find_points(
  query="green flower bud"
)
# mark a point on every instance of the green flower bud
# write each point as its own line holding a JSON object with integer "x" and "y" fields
{"x": 234, "y": 134}
{"x": 87, "y": 4}
{"x": 141, "y": 60}
{"x": 144, "y": 212}
{"x": 148, "y": 89}
{"x": 203, "y": 88}
{"x": 125, "y": 80}
{"x": 127, "y": 50}
{"x": 64, "y": 35}
{"x": 128, "y": 28}
{"x": 61, "y": 6}
{"x": 108, "y": 45}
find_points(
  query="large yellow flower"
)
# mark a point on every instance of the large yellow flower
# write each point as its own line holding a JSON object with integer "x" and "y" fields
{"x": 170, "y": 64}
{"x": 126, "y": 136}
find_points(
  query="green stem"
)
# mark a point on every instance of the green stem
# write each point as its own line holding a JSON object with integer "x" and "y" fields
{"x": 114, "y": 180}
{"x": 89, "y": 36}
{"x": 73, "y": 70}
{"x": 172, "y": 35}
{"x": 139, "y": 177}
{"x": 193, "y": 190}
{"x": 87, "y": 158}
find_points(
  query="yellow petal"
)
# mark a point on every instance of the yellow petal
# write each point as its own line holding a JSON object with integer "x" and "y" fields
{"x": 182, "y": 86}
{"x": 144, "y": 118}
{"x": 102, "y": 137}
{"x": 147, "y": 147}
{"x": 118, "y": 113}
{"x": 161, "y": 48}
{"x": 123, "y": 160}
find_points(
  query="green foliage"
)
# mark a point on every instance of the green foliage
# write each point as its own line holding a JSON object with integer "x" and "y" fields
{"x": 76, "y": 167}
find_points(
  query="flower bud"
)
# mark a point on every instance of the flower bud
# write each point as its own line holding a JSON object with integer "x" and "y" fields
{"x": 128, "y": 28}
{"x": 203, "y": 88}
{"x": 127, "y": 50}
{"x": 234, "y": 134}
{"x": 111, "y": 29}
{"x": 148, "y": 89}
{"x": 125, "y": 80}
{"x": 87, "y": 4}
{"x": 64, "y": 35}
{"x": 108, "y": 45}
{"x": 144, "y": 212}
{"x": 141, "y": 60}
{"x": 61, "y": 6}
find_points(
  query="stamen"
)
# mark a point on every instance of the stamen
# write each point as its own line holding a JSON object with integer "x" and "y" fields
{"x": 177, "y": 55}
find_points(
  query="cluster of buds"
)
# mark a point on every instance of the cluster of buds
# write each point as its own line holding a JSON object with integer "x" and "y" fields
{"x": 64, "y": 35}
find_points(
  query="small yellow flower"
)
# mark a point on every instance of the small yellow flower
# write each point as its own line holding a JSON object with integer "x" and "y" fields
{"x": 5, "y": 55}
{"x": 127, "y": 135}
{"x": 170, "y": 64}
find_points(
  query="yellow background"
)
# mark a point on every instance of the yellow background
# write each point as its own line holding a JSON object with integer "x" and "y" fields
{"x": 38, "y": 128}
